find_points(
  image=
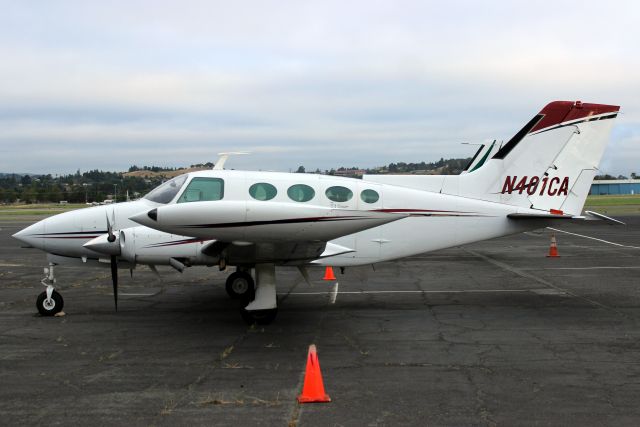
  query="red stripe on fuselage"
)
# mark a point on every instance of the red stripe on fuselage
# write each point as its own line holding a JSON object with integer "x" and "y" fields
{"x": 176, "y": 243}
{"x": 68, "y": 237}
{"x": 414, "y": 210}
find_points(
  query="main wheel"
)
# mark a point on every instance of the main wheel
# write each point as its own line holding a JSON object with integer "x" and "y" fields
{"x": 261, "y": 317}
{"x": 49, "y": 307}
{"x": 240, "y": 285}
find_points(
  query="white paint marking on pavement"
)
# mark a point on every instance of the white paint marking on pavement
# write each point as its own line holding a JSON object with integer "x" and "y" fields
{"x": 334, "y": 293}
{"x": 137, "y": 295}
{"x": 412, "y": 292}
{"x": 530, "y": 276}
{"x": 594, "y": 238}
{"x": 548, "y": 291}
{"x": 589, "y": 268}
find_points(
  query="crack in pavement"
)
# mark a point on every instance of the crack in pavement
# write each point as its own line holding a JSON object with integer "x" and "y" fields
{"x": 544, "y": 282}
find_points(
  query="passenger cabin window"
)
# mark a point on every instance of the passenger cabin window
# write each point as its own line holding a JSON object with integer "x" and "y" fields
{"x": 165, "y": 192}
{"x": 339, "y": 194}
{"x": 301, "y": 193}
{"x": 369, "y": 196}
{"x": 203, "y": 190}
{"x": 262, "y": 191}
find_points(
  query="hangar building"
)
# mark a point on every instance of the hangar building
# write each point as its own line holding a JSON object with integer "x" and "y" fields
{"x": 615, "y": 186}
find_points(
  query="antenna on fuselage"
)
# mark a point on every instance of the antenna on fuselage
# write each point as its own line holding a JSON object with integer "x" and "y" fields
{"x": 224, "y": 156}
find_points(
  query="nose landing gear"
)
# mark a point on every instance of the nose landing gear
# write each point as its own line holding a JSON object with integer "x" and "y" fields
{"x": 50, "y": 301}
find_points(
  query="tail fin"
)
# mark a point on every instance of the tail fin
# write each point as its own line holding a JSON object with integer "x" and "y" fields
{"x": 550, "y": 163}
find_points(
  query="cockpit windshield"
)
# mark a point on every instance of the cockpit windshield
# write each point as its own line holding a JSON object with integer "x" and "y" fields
{"x": 165, "y": 192}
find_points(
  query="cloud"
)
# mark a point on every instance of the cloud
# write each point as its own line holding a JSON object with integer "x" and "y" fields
{"x": 323, "y": 84}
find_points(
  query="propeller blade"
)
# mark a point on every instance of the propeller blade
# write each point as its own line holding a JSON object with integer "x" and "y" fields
{"x": 114, "y": 278}
{"x": 112, "y": 237}
{"x": 155, "y": 270}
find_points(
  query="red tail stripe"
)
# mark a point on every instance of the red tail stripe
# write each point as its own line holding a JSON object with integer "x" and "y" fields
{"x": 564, "y": 111}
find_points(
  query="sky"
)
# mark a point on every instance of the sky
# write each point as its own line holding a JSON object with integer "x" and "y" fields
{"x": 106, "y": 85}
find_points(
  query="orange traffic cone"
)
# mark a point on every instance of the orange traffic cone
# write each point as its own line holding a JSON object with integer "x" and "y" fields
{"x": 328, "y": 274}
{"x": 553, "y": 249}
{"x": 313, "y": 389}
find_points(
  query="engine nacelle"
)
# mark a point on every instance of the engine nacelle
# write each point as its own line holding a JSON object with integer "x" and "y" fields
{"x": 143, "y": 245}
{"x": 128, "y": 245}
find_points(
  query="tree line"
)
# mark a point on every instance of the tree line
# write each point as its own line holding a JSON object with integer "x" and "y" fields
{"x": 88, "y": 187}
{"x": 97, "y": 186}
{"x": 440, "y": 167}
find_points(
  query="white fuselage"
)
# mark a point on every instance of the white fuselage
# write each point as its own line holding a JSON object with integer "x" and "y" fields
{"x": 417, "y": 221}
{"x": 396, "y": 222}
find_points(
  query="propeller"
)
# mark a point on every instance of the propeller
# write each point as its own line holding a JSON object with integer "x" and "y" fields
{"x": 114, "y": 279}
{"x": 112, "y": 237}
{"x": 114, "y": 259}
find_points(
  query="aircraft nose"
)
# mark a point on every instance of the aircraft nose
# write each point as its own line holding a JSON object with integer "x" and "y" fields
{"x": 33, "y": 235}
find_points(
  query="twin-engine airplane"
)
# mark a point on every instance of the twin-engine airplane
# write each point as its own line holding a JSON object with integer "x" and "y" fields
{"x": 260, "y": 220}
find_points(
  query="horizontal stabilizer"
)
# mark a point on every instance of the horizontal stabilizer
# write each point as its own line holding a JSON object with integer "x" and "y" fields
{"x": 224, "y": 157}
{"x": 541, "y": 216}
{"x": 596, "y": 215}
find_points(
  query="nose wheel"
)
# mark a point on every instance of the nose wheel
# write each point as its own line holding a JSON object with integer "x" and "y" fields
{"x": 50, "y": 301}
{"x": 49, "y": 305}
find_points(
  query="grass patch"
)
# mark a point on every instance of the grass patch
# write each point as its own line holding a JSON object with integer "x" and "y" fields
{"x": 16, "y": 212}
{"x": 44, "y": 207}
{"x": 625, "y": 204}
{"x": 617, "y": 200}
{"x": 31, "y": 212}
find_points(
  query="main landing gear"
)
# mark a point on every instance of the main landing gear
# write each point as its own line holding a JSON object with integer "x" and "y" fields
{"x": 50, "y": 301}
{"x": 263, "y": 307}
{"x": 240, "y": 285}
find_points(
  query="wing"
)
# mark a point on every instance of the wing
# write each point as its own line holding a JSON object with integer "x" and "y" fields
{"x": 292, "y": 253}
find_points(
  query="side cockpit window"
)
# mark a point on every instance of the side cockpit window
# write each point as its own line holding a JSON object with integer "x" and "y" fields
{"x": 203, "y": 190}
{"x": 165, "y": 192}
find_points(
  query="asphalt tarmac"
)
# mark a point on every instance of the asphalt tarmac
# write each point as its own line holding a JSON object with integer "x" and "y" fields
{"x": 493, "y": 333}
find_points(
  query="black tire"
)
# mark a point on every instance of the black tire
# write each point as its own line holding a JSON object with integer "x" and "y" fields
{"x": 49, "y": 308}
{"x": 261, "y": 317}
{"x": 240, "y": 285}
